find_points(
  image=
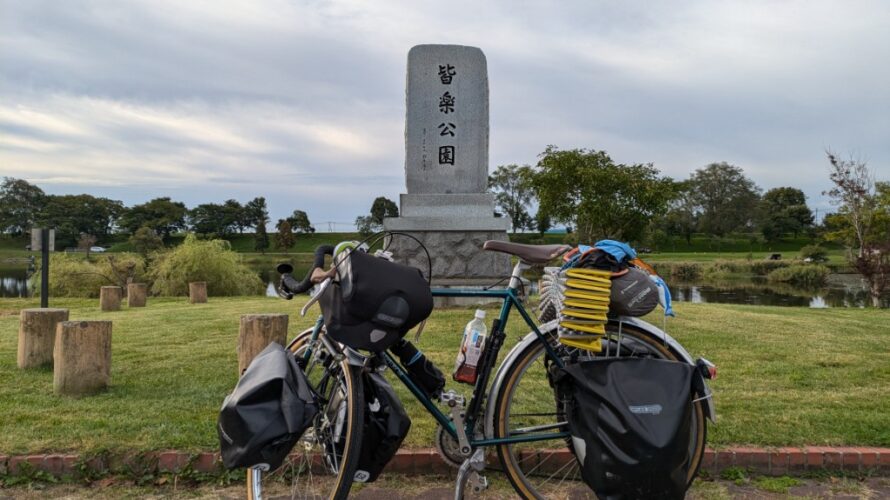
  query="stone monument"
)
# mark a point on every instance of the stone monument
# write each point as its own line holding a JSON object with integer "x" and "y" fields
{"x": 447, "y": 205}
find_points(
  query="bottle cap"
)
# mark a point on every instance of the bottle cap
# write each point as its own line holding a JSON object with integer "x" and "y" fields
{"x": 480, "y": 314}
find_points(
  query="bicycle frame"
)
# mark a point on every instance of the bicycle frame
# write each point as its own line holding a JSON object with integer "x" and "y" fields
{"x": 510, "y": 300}
{"x": 496, "y": 339}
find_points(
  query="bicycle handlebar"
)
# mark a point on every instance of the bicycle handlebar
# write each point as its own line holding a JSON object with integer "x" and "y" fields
{"x": 288, "y": 286}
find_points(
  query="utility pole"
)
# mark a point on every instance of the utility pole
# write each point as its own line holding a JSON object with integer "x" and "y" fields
{"x": 44, "y": 268}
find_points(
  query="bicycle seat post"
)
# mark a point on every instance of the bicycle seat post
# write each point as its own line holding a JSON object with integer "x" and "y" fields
{"x": 516, "y": 276}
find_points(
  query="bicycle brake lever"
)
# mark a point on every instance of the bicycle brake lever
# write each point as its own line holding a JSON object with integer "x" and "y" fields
{"x": 283, "y": 294}
{"x": 321, "y": 288}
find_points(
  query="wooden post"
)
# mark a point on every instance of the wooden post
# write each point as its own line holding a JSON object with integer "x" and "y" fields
{"x": 82, "y": 357}
{"x": 198, "y": 292}
{"x": 136, "y": 294}
{"x": 257, "y": 332}
{"x": 37, "y": 336}
{"x": 110, "y": 298}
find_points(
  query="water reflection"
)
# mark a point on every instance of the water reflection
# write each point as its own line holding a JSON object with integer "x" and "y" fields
{"x": 13, "y": 282}
{"x": 841, "y": 291}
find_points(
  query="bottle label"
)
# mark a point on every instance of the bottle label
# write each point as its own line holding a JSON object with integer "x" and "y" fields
{"x": 474, "y": 348}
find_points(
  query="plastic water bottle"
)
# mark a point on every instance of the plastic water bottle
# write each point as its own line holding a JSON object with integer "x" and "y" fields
{"x": 471, "y": 348}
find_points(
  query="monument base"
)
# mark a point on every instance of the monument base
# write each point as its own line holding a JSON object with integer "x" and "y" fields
{"x": 458, "y": 260}
{"x": 457, "y": 256}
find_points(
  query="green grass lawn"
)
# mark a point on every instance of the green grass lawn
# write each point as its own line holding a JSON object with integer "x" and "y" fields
{"x": 788, "y": 376}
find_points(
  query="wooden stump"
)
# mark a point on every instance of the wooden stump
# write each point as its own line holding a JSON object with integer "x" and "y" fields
{"x": 198, "y": 292}
{"x": 82, "y": 357}
{"x": 257, "y": 332}
{"x": 110, "y": 298}
{"x": 136, "y": 294}
{"x": 37, "y": 336}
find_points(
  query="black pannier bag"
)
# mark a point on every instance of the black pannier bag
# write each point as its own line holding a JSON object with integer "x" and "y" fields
{"x": 270, "y": 408}
{"x": 386, "y": 425}
{"x": 629, "y": 420}
{"x": 374, "y": 302}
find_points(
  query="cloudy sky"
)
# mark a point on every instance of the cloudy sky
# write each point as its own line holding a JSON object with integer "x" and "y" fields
{"x": 303, "y": 102}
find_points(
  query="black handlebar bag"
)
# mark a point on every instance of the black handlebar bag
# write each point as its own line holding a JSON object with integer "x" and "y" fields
{"x": 629, "y": 419}
{"x": 374, "y": 302}
{"x": 267, "y": 413}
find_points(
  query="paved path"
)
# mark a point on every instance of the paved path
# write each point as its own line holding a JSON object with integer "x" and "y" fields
{"x": 439, "y": 488}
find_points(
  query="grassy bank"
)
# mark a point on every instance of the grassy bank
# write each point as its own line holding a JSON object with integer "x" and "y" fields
{"x": 787, "y": 376}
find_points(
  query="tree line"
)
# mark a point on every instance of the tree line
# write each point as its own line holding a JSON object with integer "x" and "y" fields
{"x": 86, "y": 218}
{"x": 598, "y": 198}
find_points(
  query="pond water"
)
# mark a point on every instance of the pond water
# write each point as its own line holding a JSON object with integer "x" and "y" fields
{"x": 842, "y": 290}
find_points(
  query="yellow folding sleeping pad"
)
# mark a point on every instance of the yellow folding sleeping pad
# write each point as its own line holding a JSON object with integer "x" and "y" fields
{"x": 582, "y": 319}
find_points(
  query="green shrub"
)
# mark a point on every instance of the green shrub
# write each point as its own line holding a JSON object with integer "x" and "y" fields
{"x": 801, "y": 274}
{"x": 721, "y": 269}
{"x": 765, "y": 267}
{"x": 814, "y": 252}
{"x": 70, "y": 275}
{"x": 681, "y": 271}
{"x": 212, "y": 261}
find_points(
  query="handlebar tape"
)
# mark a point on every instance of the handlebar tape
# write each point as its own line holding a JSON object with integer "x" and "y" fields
{"x": 291, "y": 285}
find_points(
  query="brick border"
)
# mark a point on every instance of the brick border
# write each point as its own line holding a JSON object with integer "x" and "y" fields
{"x": 770, "y": 461}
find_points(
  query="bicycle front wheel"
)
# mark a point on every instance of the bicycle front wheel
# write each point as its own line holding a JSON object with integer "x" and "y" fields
{"x": 527, "y": 404}
{"x": 323, "y": 462}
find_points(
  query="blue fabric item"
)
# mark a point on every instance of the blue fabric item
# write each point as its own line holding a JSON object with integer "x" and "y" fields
{"x": 575, "y": 258}
{"x": 616, "y": 249}
{"x": 415, "y": 358}
{"x": 664, "y": 295}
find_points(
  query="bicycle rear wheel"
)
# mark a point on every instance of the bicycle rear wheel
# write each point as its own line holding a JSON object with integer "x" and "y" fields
{"x": 526, "y": 404}
{"x": 323, "y": 462}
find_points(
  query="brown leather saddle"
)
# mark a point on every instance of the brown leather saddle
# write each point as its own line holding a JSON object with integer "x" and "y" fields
{"x": 530, "y": 254}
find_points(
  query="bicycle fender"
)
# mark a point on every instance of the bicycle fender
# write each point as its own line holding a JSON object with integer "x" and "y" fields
{"x": 526, "y": 341}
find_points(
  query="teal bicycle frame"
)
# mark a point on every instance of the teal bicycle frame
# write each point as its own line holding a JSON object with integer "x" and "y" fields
{"x": 496, "y": 339}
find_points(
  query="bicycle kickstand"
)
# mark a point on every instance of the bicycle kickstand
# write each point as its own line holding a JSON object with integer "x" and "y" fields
{"x": 470, "y": 472}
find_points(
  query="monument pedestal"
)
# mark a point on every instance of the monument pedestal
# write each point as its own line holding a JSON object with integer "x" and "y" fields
{"x": 456, "y": 255}
{"x": 455, "y": 250}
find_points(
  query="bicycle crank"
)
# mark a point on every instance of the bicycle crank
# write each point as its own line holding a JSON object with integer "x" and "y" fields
{"x": 449, "y": 448}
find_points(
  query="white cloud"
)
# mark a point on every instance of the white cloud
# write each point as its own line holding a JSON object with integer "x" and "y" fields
{"x": 305, "y": 99}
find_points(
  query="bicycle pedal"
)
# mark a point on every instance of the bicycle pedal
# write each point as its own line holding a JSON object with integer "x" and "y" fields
{"x": 452, "y": 399}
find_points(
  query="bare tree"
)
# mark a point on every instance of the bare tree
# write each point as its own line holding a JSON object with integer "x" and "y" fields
{"x": 864, "y": 210}
{"x": 85, "y": 243}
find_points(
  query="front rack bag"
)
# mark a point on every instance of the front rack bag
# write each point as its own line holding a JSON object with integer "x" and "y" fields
{"x": 374, "y": 302}
{"x": 270, "y": 408}
{"x": 629, "y": 420}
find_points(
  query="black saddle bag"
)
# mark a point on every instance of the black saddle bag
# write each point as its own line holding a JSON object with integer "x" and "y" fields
{"x": 386, "y": 425}
{"x": 629, "y": 419}
{"x": 374, "y": 302}
{"x": 270, "y": 408}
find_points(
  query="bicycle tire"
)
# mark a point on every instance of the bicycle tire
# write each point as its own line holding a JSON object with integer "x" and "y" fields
{"x": 316, "y": 459}
{"x": 520, "y": 462}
